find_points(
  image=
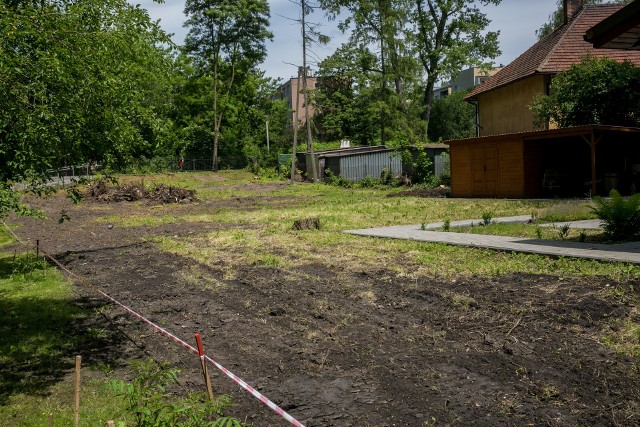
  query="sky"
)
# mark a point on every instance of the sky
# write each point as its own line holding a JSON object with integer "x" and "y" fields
{"x": 516, "y": 20}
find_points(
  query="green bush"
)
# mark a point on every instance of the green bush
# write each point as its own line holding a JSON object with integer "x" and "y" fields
{"x": 151, "y": 404}
{"x": 620, "y": 218}
{"x": 332, "y": 179}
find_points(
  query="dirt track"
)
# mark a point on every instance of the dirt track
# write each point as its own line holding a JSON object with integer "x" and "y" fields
{"x": 347, "y": 347}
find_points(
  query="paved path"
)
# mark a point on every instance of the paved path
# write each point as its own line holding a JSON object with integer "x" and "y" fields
{"x": 624, "y": 252}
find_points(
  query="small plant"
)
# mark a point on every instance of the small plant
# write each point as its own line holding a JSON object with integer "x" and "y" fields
{"x": 582, "y": 236}
{"x": 387, "y": 177}
{"x": 152, "y": 405}
{"x": 564, "y": 231}
{"x": 486, "y": 218}
{"x": 446, "y": 225}
{"x": 331, "y": 178}
{"x": 539, "y": 232}
{"x": 368, "y": 182}
{"x": 620, "y": 218}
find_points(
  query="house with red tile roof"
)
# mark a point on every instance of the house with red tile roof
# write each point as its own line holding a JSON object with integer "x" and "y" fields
{"x": 512, "y": 157}
{"x": 503, "y": 100}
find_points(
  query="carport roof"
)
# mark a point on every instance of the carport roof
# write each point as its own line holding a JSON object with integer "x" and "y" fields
{"x": 549, "y": 133}
{"x": 619, "y": 31}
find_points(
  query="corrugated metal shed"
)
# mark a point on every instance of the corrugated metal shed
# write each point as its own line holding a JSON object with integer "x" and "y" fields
{"x": 356, "y": 163}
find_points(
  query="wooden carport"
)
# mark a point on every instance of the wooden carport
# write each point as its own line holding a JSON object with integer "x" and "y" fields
{"x": 567, "y": 162}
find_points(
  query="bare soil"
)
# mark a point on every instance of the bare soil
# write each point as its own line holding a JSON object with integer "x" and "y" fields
{"x": 338, "y": 346}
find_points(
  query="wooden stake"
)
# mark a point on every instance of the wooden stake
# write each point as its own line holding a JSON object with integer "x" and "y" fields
{"x": 111, "y": 424}
{"x": 77, "y": 407}
{"x": 50, "y": 420}
{"x": 205, "y": 370}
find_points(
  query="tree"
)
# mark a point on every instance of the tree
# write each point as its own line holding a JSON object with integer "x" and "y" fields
{"x": 378, "y": 38}
{"x": 448, "y": 35}
{"x": 242, "y": 129}
{"x": 556, "y": 18}
{"x": 596, "y": 91}
{"x": 79, "y": 81}
{"x": 452, "y": 118}
{"x": 227, "y": 39}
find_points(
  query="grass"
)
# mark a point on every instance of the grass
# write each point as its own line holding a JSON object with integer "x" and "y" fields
{"x": 40, "y": 335}
{"x": 534, "y": 231}
{"x": 38, "y": 314}
{"x": 263, "y": 235}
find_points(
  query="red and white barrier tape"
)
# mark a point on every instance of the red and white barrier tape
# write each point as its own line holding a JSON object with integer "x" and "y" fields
{"x": 14, "y": 234}
{"x": 184, "y": 344}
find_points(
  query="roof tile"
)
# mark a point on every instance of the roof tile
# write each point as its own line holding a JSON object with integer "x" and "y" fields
{"x": 559, "y": 50}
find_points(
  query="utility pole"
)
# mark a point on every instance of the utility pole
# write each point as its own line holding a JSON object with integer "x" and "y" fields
{"x": 305, "y": 93}
{"x": 295, "y": 130}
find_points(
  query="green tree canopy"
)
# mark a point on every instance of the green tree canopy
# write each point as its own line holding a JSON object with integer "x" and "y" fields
{"x": 79, "y": 81}
{"x": 596, "y": 91}
{"x": 227, "y": 39}
{"x": 449, "y": 35}
{"x": 452, "y": 118}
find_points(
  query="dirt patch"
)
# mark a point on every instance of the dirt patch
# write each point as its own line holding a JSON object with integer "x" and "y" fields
{"x": 341, "y": 346}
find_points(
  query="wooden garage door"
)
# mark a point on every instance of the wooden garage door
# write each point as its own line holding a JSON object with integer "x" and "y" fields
{"x": 484, "y": 171}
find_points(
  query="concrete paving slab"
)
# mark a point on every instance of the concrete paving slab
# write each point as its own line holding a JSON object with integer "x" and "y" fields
{"x": 586, "y": 224}
{"x": 623, "y": 252}
{"x": 469, "y": 222}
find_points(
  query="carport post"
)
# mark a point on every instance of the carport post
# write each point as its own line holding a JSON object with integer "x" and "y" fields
{"x": 592, "y": 144}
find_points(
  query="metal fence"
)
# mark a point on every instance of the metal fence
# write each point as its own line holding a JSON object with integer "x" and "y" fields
{"x": 74, "y": 171}
{"x": 194, "y": 165}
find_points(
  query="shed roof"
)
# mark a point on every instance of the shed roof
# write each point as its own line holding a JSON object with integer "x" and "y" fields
{"x": 556, "y": 52}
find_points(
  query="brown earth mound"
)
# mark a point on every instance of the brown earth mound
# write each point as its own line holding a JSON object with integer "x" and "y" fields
{"x": 132, "y": 192}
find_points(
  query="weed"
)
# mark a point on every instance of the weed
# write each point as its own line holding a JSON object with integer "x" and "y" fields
{"x": 582, "y": 237}
{"x": 150, "y": 402}
{"x": 625, "y": 338}
{"x": 464, "y": 301}
{"x": 446, "y": 225}
{"x": 549, "y": 392}
{"x": 539, "y": 232}
{"x": 486, "y": 218}
{"x": 564, "y": 231}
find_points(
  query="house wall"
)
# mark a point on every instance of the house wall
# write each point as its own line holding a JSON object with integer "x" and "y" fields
{"x": 488, "y": 169}
{"x": 506, "y": 109}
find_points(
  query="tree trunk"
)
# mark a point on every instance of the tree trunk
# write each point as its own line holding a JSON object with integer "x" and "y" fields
{"x": 428, "y": 101}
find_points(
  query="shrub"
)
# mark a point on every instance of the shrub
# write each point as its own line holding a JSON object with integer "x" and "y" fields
{"x": 620, "y": 218}
{"x": 151, "y": 404}
{"x": 486, "y": 218}
{"x": 332, "y": 179}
